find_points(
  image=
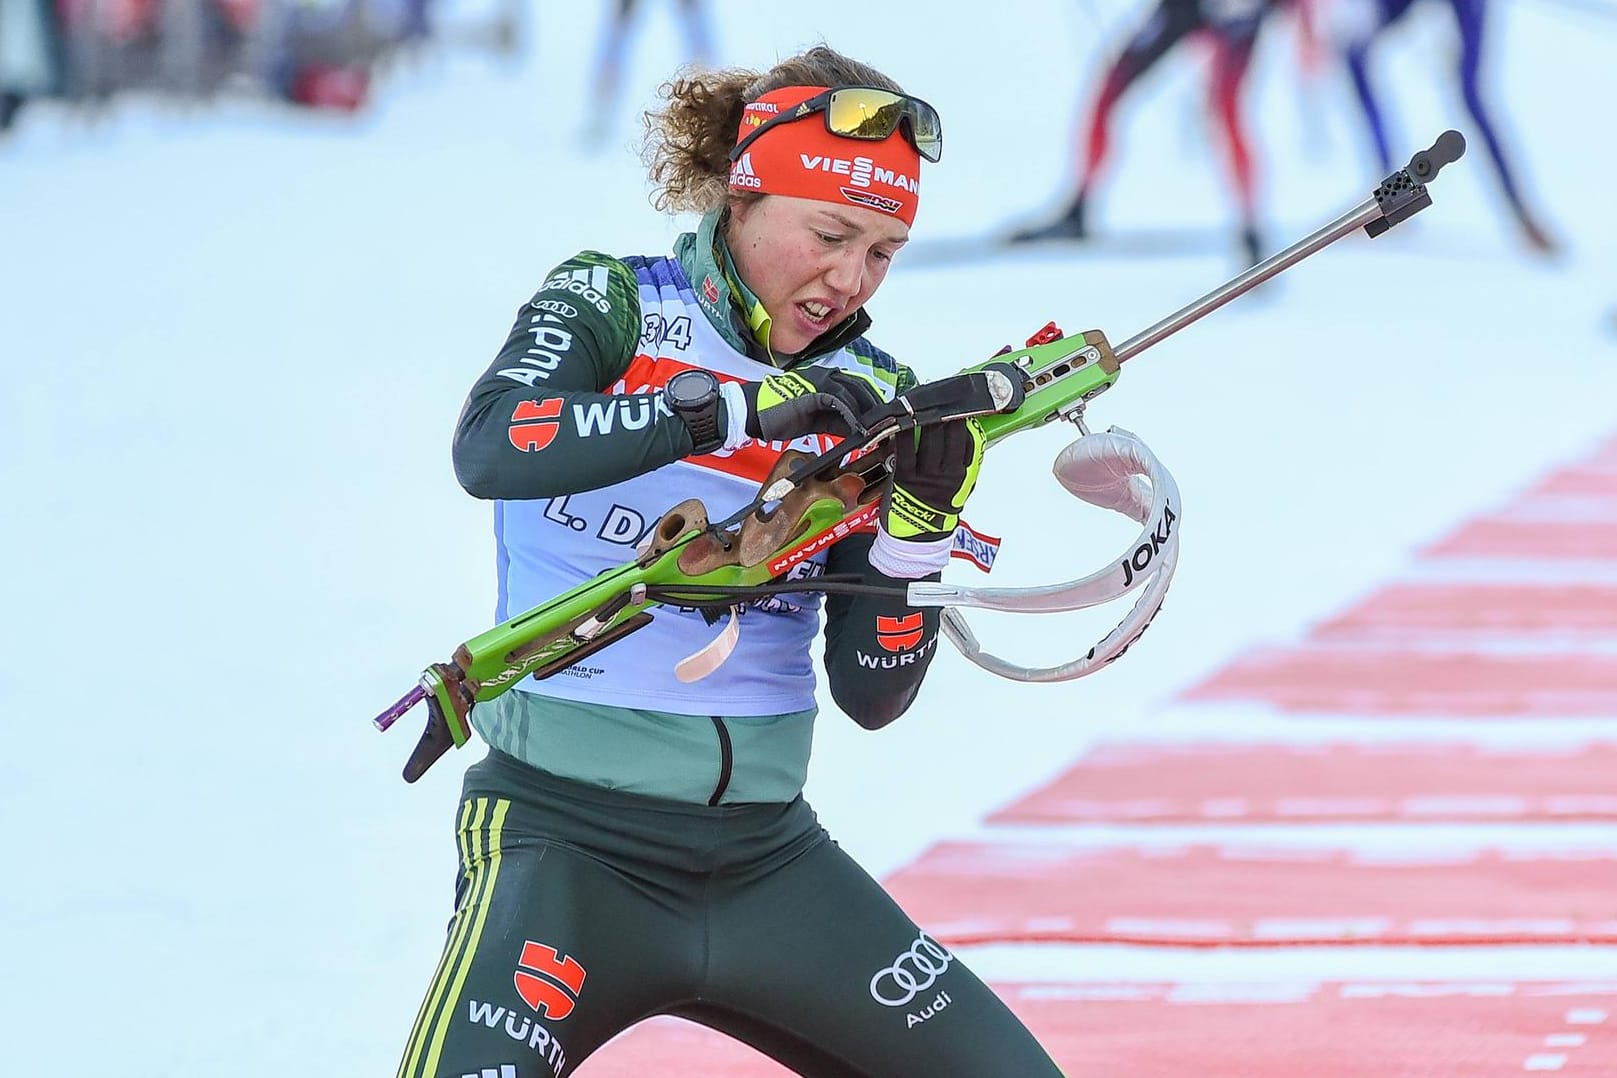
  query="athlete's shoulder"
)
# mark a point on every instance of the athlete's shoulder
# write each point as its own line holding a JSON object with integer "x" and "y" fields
{"x": 589, "y": 306}
{"x": 881, "y": 365}
{"x": 602, "y": 281}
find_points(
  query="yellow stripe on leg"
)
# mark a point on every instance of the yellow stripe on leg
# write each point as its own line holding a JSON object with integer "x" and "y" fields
{"x": 471, "y": 817}
{"x": 480, "y": 905}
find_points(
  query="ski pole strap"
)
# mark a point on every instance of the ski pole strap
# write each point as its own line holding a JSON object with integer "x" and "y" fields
{"x": 1114, "y": 470}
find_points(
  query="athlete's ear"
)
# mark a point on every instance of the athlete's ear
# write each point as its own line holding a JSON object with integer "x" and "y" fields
{"x": 740, "y": 206}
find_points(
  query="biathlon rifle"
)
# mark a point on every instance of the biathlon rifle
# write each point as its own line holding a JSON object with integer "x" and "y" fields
{"x": 809, "y": 502}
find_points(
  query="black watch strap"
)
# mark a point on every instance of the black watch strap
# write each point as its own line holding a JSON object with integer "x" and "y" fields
{"x": 699, "y": 410}
{"x": 703, "y": 423}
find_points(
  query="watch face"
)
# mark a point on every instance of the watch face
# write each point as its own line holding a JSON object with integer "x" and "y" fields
{"x": 688, "y": 388}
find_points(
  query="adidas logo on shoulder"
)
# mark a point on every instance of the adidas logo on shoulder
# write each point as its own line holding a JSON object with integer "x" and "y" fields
{"x": 506, "y": 1070}
{"x": 588, "y": 283}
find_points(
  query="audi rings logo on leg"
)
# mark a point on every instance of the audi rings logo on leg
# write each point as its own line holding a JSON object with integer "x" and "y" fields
{"x": 912, "y": 973}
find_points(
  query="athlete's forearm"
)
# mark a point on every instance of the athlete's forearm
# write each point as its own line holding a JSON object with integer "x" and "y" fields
{"x": 541, "y": 421}
{"x": 518, "y": 445}
{"x": 877, "y": 649}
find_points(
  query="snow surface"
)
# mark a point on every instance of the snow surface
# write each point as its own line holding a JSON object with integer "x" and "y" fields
{"x": 235, "y": 340}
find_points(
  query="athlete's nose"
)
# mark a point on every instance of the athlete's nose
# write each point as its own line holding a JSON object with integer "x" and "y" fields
{"x": 846, "y": 272}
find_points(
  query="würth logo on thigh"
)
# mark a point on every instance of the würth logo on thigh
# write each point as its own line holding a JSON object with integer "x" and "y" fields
{"x": 547, "y": 981}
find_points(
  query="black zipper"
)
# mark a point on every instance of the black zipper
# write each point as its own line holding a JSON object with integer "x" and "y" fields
{"x": 726, "y": 760}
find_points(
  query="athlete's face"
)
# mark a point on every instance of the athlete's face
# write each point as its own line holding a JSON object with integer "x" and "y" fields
{"x": 810, "y": 263}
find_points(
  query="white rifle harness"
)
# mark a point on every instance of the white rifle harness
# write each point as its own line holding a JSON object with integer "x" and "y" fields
{"x": 1113, "y": 470}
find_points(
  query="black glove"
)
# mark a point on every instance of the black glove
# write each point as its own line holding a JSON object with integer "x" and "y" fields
{"x": 809, "y": 400}
{"x": 934, "y": 471}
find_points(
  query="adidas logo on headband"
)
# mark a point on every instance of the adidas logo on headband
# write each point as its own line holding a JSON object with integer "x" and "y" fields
{"x": 742, "y": 175}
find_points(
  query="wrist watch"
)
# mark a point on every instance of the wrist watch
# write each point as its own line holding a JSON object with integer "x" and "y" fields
{"x": 693, "y": 395}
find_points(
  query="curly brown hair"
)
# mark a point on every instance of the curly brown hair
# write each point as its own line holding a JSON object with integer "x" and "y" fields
{"x": 688, "y": 141}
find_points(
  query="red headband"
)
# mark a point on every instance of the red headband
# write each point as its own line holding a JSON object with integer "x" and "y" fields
{"x": 802, "y": 159}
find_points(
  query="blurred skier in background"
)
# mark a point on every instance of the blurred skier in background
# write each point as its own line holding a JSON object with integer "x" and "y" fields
{"x": 1231, "y": 27}
{"x": 31, "y": 55}
{"x": 309, "y": 53}
{"x": 325, "y": 51}
{"x": 1357, "y": 25}
{"x": 614, "y": 44}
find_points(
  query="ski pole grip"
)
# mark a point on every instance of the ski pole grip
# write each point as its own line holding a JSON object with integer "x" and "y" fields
{"x": 1449, "y": 148}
